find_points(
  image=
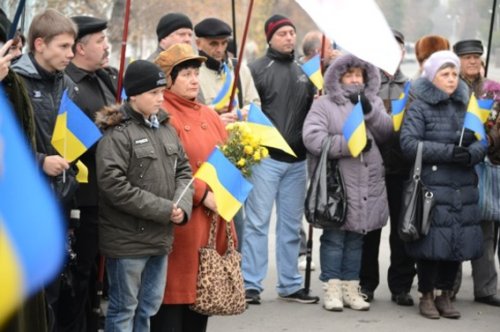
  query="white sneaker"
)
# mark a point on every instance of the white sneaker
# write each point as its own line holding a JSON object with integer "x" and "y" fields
{"x": 352, "y": 296}
{"x": 302, "y": 263}
{"x": 332, "y": 299}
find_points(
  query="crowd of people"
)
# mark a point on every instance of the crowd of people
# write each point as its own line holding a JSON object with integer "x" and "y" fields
{"x": 143, "y": 213}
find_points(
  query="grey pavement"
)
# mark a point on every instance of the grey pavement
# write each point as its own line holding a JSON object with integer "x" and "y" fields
{"x": 276, "y": 315}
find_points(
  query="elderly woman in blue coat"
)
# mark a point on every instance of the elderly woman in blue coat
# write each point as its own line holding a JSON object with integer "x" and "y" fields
{"x": 436, "y": 118}
{"x": 347, "y": 80}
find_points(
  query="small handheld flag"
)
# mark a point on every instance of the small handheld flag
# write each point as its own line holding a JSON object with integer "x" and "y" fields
{"x": 31, "y": 227}
{"x": 354, "y": 130}
{"x": 476, "y": 115}
{"x": 399, "y": 106}
{"x": 263, "y": 128}
{"x": 74, "y": 133}
{"x": 312, "y": 68}
{"x": 227, "y": 183}
{"x": 221, "y": 100}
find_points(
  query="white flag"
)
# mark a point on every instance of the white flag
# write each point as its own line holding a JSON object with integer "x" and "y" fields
{"x": 359, "y": 27}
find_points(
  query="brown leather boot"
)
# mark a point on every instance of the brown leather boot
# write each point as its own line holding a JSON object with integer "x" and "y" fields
{"x": 427, "y": 306}
{"x": 444, "y": 305}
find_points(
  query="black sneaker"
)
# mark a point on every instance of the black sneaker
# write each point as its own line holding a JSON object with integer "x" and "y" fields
{"x": 403, "y": 299}
{"x": 368, "y": 294}
{"x": 300, "y": 296}
{"x": 252, "y": 296}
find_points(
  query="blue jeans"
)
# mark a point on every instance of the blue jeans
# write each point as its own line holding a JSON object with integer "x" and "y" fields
{"x": 340, "y": 255}
{"x": 284, "y": 183}
{"x": 136, "y": 288}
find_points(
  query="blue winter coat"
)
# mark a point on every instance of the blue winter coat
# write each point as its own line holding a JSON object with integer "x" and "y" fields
{"x": 437, "y": 119}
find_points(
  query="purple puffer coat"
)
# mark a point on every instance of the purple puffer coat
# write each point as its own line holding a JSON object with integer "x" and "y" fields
{"x": 367, "y": 207}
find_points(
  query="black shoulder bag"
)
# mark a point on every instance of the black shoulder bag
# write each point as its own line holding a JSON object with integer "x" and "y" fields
{"x": 326, "y": 202}
{"x": 417, "y": 201}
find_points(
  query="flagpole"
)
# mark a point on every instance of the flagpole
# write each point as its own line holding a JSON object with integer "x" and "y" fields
{"x": 490, "y": 36}
{"x": 15, "y": 22}
{"x": 233, "y": 9}
{"x": 461, "y": 136}
{"x": 184, "y": 191}
{"x": 240, "y": 57}
{"x": 123, "y": 50}
{"x": 309, "y": 244}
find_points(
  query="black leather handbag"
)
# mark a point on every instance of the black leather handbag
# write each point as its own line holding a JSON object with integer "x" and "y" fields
{"x": 326, "y": 202}
{"x": 417, "y": 201}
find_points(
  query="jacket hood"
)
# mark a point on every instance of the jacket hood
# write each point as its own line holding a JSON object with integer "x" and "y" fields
{"x": 424, "y": 89}
{"x": 25, "y": 66}
{"x": 336, "y": 91}
{"x": 111, "y": 116}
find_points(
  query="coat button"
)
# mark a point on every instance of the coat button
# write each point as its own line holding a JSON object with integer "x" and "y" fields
{"x": 140, "y": 165}
{"x": 198, "y": 163}
{"x": 141, "y": 176}
{"x": 187, "y": 128}
{"x": 204, "y": 125}
{"x": 364, "y": 198}
{"x": 142, "y": 229}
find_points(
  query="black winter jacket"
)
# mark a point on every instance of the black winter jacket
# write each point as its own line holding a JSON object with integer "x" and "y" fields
{"x": 437, "y": 119}
{"x": 286, "y": 95}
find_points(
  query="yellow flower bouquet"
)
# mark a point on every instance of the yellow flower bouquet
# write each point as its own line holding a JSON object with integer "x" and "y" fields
{"x": 242, "y": 148}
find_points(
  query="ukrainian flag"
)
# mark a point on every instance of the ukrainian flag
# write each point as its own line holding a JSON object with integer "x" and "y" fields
{"x": 477, "y": 114}
{"x": 398, "y": 107}
{"x": 227, "y": 183}
{"x": 312, "y": 68}
{"x": 74, "y": 133}
{"x": 221, "y": 100}
{"x": 354, "y": 131}
{"x": 31, "y": 228}
{"x": 263, "y": 128}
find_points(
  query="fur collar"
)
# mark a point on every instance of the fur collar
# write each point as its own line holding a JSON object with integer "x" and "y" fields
{"x": 337, "y": 92}
{"x": 113, "y": 115}
{"x": 425, "y": 90}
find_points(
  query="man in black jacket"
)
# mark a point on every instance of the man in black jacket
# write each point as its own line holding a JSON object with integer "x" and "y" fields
{"x": 286, "y": 95}
{"x": 95, "y": 88}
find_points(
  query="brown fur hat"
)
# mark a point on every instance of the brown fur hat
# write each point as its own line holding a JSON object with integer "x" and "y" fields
{"x": 429, "y": 44}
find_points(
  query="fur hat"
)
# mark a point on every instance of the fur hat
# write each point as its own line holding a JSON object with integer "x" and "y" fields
{"x": 171, "y": 22}
{"x": 437, "y": 60}
{"x": 274, "y": 23}
{"x": 429, "y": 44}
{"x": 142, "y": 76}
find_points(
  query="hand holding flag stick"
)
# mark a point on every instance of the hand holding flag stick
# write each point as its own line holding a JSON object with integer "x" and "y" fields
{"x": 477, "y": 113}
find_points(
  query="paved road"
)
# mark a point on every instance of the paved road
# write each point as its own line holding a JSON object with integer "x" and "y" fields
{"x": 276, "y": 315}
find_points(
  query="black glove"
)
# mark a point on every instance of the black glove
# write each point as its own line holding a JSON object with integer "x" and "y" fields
{"x": 461, "y": 155}
{"x": 354, "y": 98}
{"x": 368, "y": 145}
{"x": 365, "y": 103}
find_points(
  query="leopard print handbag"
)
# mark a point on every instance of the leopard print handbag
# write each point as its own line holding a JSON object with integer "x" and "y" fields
{"x": 219, "y": 289}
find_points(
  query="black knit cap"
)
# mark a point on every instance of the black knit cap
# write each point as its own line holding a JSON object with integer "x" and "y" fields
{"x": 212, "y": 28}
{"x": 470, "y": 46}
{"x": 274, "y": 23}
{"x": 142, "y": 76}
{"x": 171, "y": 22}
{"x": 88, "y": 24}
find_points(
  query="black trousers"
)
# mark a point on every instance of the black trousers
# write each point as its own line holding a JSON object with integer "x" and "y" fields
{"x": 402, "y": 267}
{"x": 178, "y": 318}
{"x": 75, "y": 307}
{"x": 436, "y": 275}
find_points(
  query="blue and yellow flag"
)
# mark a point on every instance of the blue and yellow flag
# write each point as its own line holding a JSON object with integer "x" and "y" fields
{"x": 74, "y": 133}
{"x": 354, "y": 130}
{"x": 227, "y": 183}
{"x": 398, "y": 107}
{"x": 264, "y": 129}
{"x": 312, "y": 68}
{"x": 477, "y": 114}
{"x": 31, "y": 228}
{"x": 221, "y": 100}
